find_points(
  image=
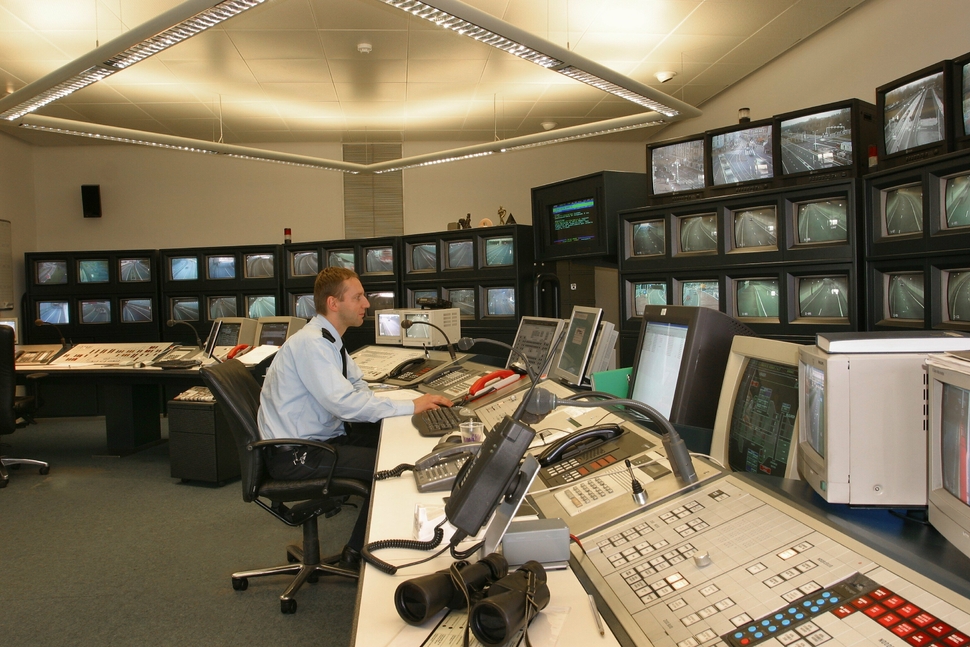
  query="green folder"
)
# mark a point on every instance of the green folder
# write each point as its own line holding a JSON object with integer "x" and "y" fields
{"x": 613, "y": 382}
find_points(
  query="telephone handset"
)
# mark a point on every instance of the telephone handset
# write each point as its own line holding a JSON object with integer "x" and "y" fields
{"x": 238, "y": 348}
{"x": 492, "y": 382}
{"x": 577, "y": 442}
{"x": 436, "y": 471}
{"x": 405, "y": 366}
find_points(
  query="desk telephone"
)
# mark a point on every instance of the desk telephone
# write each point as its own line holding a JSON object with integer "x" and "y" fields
{"x": 436, "y": 471}
{"x": 577, "y": 443}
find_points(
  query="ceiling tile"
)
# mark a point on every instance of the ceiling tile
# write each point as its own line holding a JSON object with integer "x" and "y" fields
{"x": 300, "y": 91}
{"x": 381, "y": 92}
{"x": 727, "y": 18}
{"x": 109, "y": 113}
{"x": 274, "y": 44}
{"x": 290, "y": 71}
{"x": 157, "y": 93}
{"x": 53, "y": 14}
{"x": 384, "y": 44}
{"x": 444, "y": 44}
{"x": 315, "y": 110}
{"x": 212, "y": 46}
{"x": 447, "y": 71}
{"x": 358, "y": 14}
{"x": 368, "y": 71}
{"x": 290, "y": 14}
{"x": 164, "y": 111}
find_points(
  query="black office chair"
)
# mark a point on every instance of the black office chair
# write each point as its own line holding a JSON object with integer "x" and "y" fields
{"x": 15, "y": 412}
{"x": 237, "y": 392}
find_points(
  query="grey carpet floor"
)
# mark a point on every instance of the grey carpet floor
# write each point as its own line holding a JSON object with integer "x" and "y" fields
{"x": 113, "y": 551}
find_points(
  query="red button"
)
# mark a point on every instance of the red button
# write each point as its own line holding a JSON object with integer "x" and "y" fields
{"x": 907, "y": 610}
{"x": 842, "y": 611}
{"x": 922, "y": 619}
{"x": 745, "y": 641}
{"x": 894, "y": 601}
{"x": 939, "y": 629}
{"x": 880, "y": 593}
{"x": 609, "y": 458}
{"x": 903, "y": 629}
{"x": 888, "y": 620}
{"x": 918, "y": 639}
{"x": 875, "y": 611}
{"x": 582, "y": 470}
{"x": 956, "y": 639}
{"x": 861, "y": 601}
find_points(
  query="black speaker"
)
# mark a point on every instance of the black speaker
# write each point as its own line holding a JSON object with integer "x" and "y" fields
{"x": 91, "y": 200}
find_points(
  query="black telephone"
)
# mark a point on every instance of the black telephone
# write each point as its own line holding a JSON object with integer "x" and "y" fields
{"x": 436, "y": 471}
{"x": 578, "y": 442}
{"x": 405, "y": 366}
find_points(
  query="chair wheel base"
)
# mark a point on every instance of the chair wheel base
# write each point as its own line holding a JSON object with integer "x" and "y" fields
{"x": 45, "y": 471}
{"x": 287, "y": 606}
{"x": 240, "y": 584}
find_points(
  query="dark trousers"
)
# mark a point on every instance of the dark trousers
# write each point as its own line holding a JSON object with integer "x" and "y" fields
{"x": 357, "y": 456}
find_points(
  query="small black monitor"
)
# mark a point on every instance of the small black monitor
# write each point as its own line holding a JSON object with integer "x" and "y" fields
{"x": 260, "y": 306}
{"x": 902, "y": 210}
{"x": 823, "y": 298}
{"x": 305, "y": 263}
{"x": 499, "y": 301}
{"x": 956, "y": 287}
{"x": 134, "y": 270}
{"x": 92, "y": 270}
{"x": 463, "y": 299}
{"x": 648, "y": 293}
{"x": 915, "y": 116}
{"x": 647, "y": 238}
{"x": 95, "y": 311}
{"x": 676, "y": 166}
{"x": 378, "y": 260}
{"x": 50, "y": 272}
{"x": 701, "y": 293}
{"x": 755, "y": 228}
{"x": 184, "y": 308}
{"x": 424, "y": 257}
{"x": 956, "y": 195}
{"x": 680, "y": 360}
{"x": 460, "y": 254}
{"x": 183, "y": 268}
{"x": 961, "y": 102}
{"x": 55, "y": 312}
{"x": 757, "y": 299}
{"x": 344, "y": 258}
{"x": 220, "y": 307}
{"x": 821, "y": 222}
{"x": 742, "y": 154}
{"x": 499, "y": 251}
{"x": 696, "y": 233}
{"x": 904, "y": 298}
{"x": 259, "y": 266}
{"x": 303, "y": 306}
{"x": 379, "y": 300}
{"x": 136, "y": 310}
{"x": 220, "y": 267}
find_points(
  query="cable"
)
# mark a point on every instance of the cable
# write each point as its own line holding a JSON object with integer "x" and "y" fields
{"x": 710, "y": 458}
{"x": 411, "y": 544}
{"x": 391, "y": 473}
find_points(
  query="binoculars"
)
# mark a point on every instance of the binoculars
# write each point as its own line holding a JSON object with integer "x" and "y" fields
{"x": 501, "y": 603}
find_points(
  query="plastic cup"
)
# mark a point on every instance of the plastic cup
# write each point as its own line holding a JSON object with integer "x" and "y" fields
{"x": 472, "y": 431}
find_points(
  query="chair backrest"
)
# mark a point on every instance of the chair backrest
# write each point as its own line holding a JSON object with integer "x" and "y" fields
{"x": 8, "y": 381}
{"x": 237, "y": 392}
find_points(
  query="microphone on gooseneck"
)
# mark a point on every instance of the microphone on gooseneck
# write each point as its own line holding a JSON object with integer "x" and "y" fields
{"x": 198, "y": 341}
{"x": 60, "y": 333}
{"x": 407, "y": 323}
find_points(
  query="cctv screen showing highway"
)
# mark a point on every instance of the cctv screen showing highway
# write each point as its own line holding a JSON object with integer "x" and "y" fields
{"x": 904, "y": 296}
{"x": 914, "y": 114}
{"x": 958, "y": 202}
{"x": 824, "y": 296}
{"x": 742, "y": 155}
{"x": 818, "y": 141}
{"x": 648, "y": 238}
{"x": 966, "y": 99}
{"x": 678, "y": 167}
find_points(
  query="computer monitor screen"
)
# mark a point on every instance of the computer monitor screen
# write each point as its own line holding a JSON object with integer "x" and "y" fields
{"x": 957, "y": 201}
{"x": 955, "y": 441}
{"x": 379, "y": 260}
{"x": 757, "y": 413}
{"x": 649, "y": 238}
{"x": 498, "y": 252}
{"x": 304, "y": 263}
{"x": 957, "y": 285}
{"x": 92, "y": 271}
{"x": 221, "y": 267}
{"x": 136, "y": 310}
{"x": 742, "y": 155}
{"x": 535, "y": 339}
{"x": 648, "y": 293}
{"x": 948, "y": 449}
{"x": 817, "y": 141}
{"x": 260, "y": 266}
{"x": 303, "y": 306}
{"x": 260, "y": 306}
{"x": 903, "y": 210}
{"x": 272, "y": 334}
{"x": 463, "y": 299}
{"x": 914, "y": 114}
{"x": 702, "y": 294}
{"x": 184, "y": 308}
{"x": 380, "y": 300}
{"x": 183, "y": 268}
{"x": 387, "y": 327}
{"x": 574, "y": 221}
{"x": 500, "y": 302}
{"x": 904, "y": 300}
{"x": 461, "y": 254}
{"x": 424, "y": 257}
{"x": 220, "y": 307}
{"x": 757, "y": 298}
{"x": 698, "y": 233}
{"x": 228, "y": 334}
{"x": 577, "y": 345}
{"x": 813, "y": 385}
{"x": 680, "y": 359}
{"x": 135, "y": 270}
{"x": 95, "y": 311}
{"x": 821, "y": 221}
{"x": 55, "y": 312}
{"x": 823, "y": 297}
{"x": 51, "y": 272}
{"x": 755, "y": 228}
{"x": 341, "y": 258}
{"x": 677, "y": 167}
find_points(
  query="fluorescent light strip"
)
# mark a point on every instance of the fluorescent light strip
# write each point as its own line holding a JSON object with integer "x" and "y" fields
{"x": 267, "y": 159}
{"x": 59, "y": 91}
{"x": 112, "y": 138}
{"x": 443, "y": 160}
{"x": 570, "y": 138}
{"x": 612, "y": 88}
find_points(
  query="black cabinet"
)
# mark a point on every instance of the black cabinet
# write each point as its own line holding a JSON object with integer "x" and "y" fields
{"x": 201, "y": 447}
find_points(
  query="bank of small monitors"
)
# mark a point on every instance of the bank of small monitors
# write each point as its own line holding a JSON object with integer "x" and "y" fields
{"x": 493, "y": 301}
{"x": 488, "y": 251}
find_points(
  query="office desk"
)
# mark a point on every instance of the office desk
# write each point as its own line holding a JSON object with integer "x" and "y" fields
{"x": 391, "y": 516}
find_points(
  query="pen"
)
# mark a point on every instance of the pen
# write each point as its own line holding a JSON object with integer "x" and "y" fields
{"x": 596, "y": 615}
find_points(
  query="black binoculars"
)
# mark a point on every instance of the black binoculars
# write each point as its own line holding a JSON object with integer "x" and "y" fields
{"x": 418, "y": 599}
{"x": 510, "y": 604}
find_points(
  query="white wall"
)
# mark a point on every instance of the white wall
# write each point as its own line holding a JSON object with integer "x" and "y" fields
{"x": 17, "y": 206}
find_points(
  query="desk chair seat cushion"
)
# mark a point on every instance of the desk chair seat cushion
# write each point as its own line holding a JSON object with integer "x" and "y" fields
{"x": 285, "y": 491}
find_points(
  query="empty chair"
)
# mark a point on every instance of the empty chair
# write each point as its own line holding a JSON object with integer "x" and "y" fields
{"x": 15, "y": 412}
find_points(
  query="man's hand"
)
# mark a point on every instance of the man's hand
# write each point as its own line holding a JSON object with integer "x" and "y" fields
{"x": 430, "y": 401}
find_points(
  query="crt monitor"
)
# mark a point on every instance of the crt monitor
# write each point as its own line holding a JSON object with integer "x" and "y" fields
{"x": 757, "y": 413}
{"x": 861, "y": 430}
{"x": 387, "y": 327}
{"x": 914, "y": 116}
{"x": 680, "y": 360}
{"x": 577, "y": 347}
{"x": 535, "y": 339}
{"x": 741, "y": 154}
{"x": 676, "y": 166}
{"x": 448, "y": 319}
{"x": 273, "y": 331}
{"x": 948, "y": 450}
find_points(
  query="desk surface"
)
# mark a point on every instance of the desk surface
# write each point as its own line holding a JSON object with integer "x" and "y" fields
{"x": 391, "y": 516}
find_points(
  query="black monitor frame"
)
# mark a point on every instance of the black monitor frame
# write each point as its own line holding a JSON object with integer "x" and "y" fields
{"x": 879, "y": 188}
{"x": 879, "y": 275}
{"x": 852, "y": 318}
{"x": 939, "y": 271}
{"x": 755, "y": 184}
{"x": 960, "y": 88}
{"x": 630, "y": 318}
{"x": 941, "y": 237}
{"x": 666, "y": 197}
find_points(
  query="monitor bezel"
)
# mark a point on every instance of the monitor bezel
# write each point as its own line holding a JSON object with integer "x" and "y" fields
{"x": 748, "y": 185}
{"x": 961, "y": 136}
{"x": 564, "y": 375}
{"x": 924, "y": 151}
{"x": 684, "y": 194}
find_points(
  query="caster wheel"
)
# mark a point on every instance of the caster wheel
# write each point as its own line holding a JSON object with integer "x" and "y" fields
{"x": 45, "y": 470}
{"x": 3, "y": 483}
{"x": 290, "y": 559}
{"x": 240, "y": 584}
{"x": 288, "y": 606}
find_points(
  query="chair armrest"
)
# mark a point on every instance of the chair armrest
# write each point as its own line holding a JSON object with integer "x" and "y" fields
{"x": 305, "y": 442}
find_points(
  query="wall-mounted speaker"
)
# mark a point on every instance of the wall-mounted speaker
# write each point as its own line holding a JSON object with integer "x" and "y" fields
{"x": 91, "y": 200}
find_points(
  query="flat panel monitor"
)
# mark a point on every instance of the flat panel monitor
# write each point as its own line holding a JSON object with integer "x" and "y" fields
{"x": 676, "y": 166}
{"x": 755, "y": 228}
{"x": 742, "y": 154}
{"x": 757, "y": 299}
{"x": 914, "y": 116}
{"x": 463, "y": 299}
{"x": 134, "y": 270}
{"x": 306, "y": 263}
{"x": 95, "y": 311}
{"x": 184, "y": 308}
{"x": 259, "y": 266}
{"x": 424, "y": 257}
{"x": 273, "y": 331}
{"x": 50, "y": 272}
{"x": 702, "y": 293}
{"x": 387, "y": 327}
{"x": 948, "y": 450}
{"x": 821, "y": 222}
{"x": 92, "y": 270}
{"x": 824, "y": 299}
{"x": 697, "y": 233}
{"x": 535, "y": 338}
{"x": 577, "y": 347}
{"x": 136, "y": 310}
{"x": 902, "y": 210}
{"x": 378, "y": 260}
{"x": 55, "y": 312}
{"x": 648, "y": 293}
{"x": 647, "y": 238}
{"x": 500, "y": 302}
{"x": 220, "y": 267}
{"x": 221, "y": 307}
{"x": 956, "y": 201}
{"x": 904, "y": 297}
{"x": 499, "y": 251}
{"x": 183, "y": 268}
{"x": 816, "y": 141}
{"x": 862, "y": 426}
{"x": 344, "y": 258}
{"x": 680, "y": 360}
{"x": 757, "y": 413}
{"x": 448, "y": 319}
{"x": 258, "y": 306}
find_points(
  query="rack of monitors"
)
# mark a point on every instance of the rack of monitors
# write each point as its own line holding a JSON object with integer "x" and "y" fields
{"x": 200, "y": 285}
{"x": 93, "y": 296}
{"x": 928, "y": 293}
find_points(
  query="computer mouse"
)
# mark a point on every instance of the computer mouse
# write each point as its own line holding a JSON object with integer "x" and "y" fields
{"x": 466, "y": 412}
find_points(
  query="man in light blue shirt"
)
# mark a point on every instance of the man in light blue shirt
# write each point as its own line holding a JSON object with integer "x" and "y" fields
{"x": 313, "y": 387}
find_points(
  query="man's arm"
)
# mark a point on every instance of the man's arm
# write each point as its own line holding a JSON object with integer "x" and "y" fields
{"x": 430, "y": 401}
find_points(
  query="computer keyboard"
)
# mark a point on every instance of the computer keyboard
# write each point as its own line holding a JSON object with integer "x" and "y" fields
{"x": 438, "y": 422}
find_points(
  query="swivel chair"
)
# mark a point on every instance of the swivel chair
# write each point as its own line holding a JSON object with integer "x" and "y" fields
{"x": 15, "y": 412}
{"x": 237, "y": 392}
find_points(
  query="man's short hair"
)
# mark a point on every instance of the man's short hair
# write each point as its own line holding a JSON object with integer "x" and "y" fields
{"x": 330, "y": 283}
